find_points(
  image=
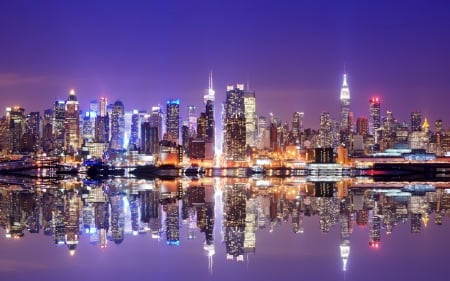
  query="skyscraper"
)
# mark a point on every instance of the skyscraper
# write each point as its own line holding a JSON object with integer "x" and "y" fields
{"x": 234, "y": 123}
{"x": 345, "y": 122}
{"x": 117, "y": 126}
{"x": 251, "y": 118}
{"x": 173, "y": 120}
{"x": 362, "y": 126}
{"x": 156, "y": 120}
{"x": 210, "y": 130}
{"x": 72, "y": 124}
{"x": 416, "y": 121}
{"x": 375, "y": 115}
{"x": 325, "y": 130}
{"x": 297, "y": 126}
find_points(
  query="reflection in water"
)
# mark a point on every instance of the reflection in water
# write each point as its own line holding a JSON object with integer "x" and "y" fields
{"x": 115, "y": 210}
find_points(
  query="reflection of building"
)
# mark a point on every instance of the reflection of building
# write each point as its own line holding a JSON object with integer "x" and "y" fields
{"x": 173, "y": 225}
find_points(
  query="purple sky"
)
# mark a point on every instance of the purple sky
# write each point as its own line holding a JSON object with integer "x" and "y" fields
{"x": 293, "y": 53}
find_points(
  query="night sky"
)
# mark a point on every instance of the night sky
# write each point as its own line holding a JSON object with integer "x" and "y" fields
{"x": 292, "y": 53}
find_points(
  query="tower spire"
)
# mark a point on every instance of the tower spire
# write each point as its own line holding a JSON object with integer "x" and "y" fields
{"x": 210, "y": 86}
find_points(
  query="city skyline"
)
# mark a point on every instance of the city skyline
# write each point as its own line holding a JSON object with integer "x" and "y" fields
{"x": 292, "y": 55}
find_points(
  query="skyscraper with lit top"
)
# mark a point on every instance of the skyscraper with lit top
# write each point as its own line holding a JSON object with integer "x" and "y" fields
{"x": 117, "y": 126}
{"x": 345, "y": 122}
{"x": 210, "y": 132}
{"x": 375, "y": 115}
{"x": 72, "y": 124}
{"x": 173, "y": 120}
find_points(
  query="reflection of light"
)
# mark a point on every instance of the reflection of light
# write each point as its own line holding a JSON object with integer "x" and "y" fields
{"x": 72, "y": 253}
{"x": 173, "y": 243}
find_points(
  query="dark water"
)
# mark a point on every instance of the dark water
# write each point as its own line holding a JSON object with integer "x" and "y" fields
{"x": 223, "y": 229}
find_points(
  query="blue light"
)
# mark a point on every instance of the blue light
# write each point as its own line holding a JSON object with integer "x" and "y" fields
{"x": 176, "y": 102}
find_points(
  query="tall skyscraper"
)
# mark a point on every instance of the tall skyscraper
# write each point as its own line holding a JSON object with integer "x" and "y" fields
{"x": 210, "y": 130}
{"x": 325, "y": 130}
{"x": 59, "y": 113}
{"x": 234, "y": 123}
{"x": 375, "y": 115}
{"x": 72, "y": 124}
{"x": 345, "y": 122}
{"x": 117, "y": 126}
{"x": 192, "y": 120}
{"x": 16, "y": 123}
{"x": 251, "y": 118}
{"x": 297, "y": 126}
{"x": 156, "y": 120}
{"x": 173, "y": 120}
{"x": 416, "y": 121}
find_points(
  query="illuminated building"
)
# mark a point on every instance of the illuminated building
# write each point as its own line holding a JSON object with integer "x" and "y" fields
{"x": 58, "y": 125}
{"x": 210, "y": 131}
{"x": 135, "y": 129}
{"x": 251, "y": 118}
{"x": 149, "y": 138}
{"x": 102, "y": 129}
{"x": 34, "y": 129}
{"x": 235, "y": 138}
{"x": 103, "y": 107}
{"x": 362, "y": 126}
{"x": 416, "y": 121}
{"x": 185, "y": 135}
{"x": 16, "y": 127}
{"x": 117, "y": 126}
{"x": 156, "y": 120}
{"x": 325, "y": 130}
{"x": 297, "y": 126}
{"x": 72, "y": 124}
{"x": 192, "y": 120}
{"x": 345, "y": 122}
{"x": 375, "y": 115}
{"x": 173, "y": 120}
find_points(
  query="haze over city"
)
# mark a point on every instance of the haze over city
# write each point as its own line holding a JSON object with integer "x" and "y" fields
{"x": 292, "y": 54}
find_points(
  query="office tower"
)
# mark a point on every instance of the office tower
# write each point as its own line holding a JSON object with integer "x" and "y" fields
{"x": 325, "y": 130}
{"x": 102, "y": 129}
{"x": 156, "y": 120}
{"x": 345, "y": 122}
{"x": 135, "y": 128}
{"x": 72, "y": 124}
{"x": 117, "y": 126}
{"x": 362, "y": 126}
{"x": 234, "y": 123}
{"x": 438, "y": 126}
{"x": 416, "y": 121}
{"x": 234, "y": 103}
{"x": 185, "y": 135}
{"x": 375, "y": 115}
{"x": 88, "y": 126}
{"x": 173, "y": 120}
{"x": 15, "y": 118}
{"x": 192, "y": 120}
{"x": 103, "y": 106}
{"x": 210, "y": 130}
{"x": 149, "y": 138}
{"x": 235, "y": 138}
{"x": 59, "y": 113}
{"x": 34, "y": 129}
{"x": 202, "y": 125}
{"x": 297, "y": 126}
{"x": 47, "y": 130}
{"x": 251, "y": 118}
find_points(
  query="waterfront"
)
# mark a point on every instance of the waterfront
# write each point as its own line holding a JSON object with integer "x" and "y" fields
{"x": 219, "y": 229}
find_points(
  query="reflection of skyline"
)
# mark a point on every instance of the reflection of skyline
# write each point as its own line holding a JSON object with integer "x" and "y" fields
{"x": 112, "y": 212}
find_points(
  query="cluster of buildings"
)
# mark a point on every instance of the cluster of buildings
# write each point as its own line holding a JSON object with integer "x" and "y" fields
{"x": 109, "y": 130}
